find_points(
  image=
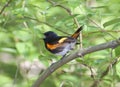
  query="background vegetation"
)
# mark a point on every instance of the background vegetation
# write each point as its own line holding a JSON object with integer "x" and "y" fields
{"x": 23, "y": 55}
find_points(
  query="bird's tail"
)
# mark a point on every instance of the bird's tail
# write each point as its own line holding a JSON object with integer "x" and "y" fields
{"x": 76, "y": 34}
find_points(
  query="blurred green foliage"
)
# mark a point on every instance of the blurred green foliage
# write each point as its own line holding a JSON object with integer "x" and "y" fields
{"x": 23, "y": 22}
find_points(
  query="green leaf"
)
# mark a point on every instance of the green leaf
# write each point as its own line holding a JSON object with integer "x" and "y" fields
{"x": 111, "y": 22}
{"x": 117, "y": 51}
{"x": 99, "y": 7}
{"x": 118, "y": 69}
{"x": 21, "y": 47}
{"x": 10, "y": 50}
{"x": 5, "y": 79}
{"x": 62, "y": 21}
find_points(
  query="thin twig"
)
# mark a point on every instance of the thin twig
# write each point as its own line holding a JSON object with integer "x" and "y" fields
{"x": 92, "y": 73}
{"x": 16, "y": 75}
{"x": 113, "y": 31}
{"x": 46, "y": 24}
{"x": 101, "y": 28}
{"x": 113, "y": 63}
{"x": 109, "y": 67}
{"x": 6, "y": 5}
{"x": 59, "y": 5}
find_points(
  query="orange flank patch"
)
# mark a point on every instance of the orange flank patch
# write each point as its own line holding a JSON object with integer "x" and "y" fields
{"x": 52, "y": 46}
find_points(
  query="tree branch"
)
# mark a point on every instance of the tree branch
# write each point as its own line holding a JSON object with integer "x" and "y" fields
{"x": 78, "y": 53}
{"x": 5, "y": 6}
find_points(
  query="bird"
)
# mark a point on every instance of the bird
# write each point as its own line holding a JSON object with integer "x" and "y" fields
{"x": 60, "y": 45}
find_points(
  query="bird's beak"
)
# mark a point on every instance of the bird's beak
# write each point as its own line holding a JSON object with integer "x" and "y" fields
{"x": 42, "y": 36}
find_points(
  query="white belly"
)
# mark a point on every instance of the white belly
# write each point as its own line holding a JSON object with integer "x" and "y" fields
{"x": 66, "y": 49}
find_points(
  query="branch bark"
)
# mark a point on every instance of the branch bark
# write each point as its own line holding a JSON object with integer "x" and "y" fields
{"x": 6, "y": 5}
{"x": 78, "y": 53}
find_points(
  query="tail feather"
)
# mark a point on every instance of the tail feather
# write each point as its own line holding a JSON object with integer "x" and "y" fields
{"x": 76, "y": 34}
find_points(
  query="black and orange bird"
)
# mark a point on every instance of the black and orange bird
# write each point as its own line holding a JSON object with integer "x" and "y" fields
{"x": 60, "y": 45}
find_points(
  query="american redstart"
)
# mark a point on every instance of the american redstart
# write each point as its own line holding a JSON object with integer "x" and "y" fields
{"x": 60, "y": 45}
